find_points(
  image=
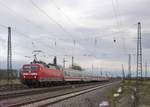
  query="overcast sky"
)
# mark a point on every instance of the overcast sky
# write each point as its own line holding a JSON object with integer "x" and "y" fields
{"x": 85, "y": 29}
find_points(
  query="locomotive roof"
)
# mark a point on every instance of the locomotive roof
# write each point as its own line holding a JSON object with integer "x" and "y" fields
{"x": 44, "y": 65}
{"x": 33, "y": 64}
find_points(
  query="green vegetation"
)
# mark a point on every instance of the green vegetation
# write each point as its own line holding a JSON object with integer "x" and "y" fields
{"x": 125, "y": 100}
{"x": 13, "y": 77}
{"x": 4, "y": 74}
{"x": 110, "y": 97}
{"x": 6, "y": 82}
{"x": 146, "y": 82}
{"x": 129, "y": 82}
{"x": 145, "y": 93}
{"x": 76, "y": 67}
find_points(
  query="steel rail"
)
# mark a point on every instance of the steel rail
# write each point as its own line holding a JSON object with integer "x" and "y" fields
{"x": 54, "y": 99}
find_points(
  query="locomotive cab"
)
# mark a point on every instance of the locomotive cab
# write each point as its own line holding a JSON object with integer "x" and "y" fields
{"x": 41, "y": 74}
{"x": 29, "y": 73}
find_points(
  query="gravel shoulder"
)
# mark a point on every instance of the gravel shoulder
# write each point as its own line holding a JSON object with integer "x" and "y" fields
{"x": 91, "y": 99}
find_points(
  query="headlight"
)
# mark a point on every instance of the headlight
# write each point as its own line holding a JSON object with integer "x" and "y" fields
{"x": 35, "y": 76}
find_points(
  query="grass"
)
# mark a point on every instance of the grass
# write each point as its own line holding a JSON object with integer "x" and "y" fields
{"x": 127, "y": 87}
{"x": 146, "y": 82}
{"x": 144, "y": 91}
{"x": 145, "y": 94}
{"x": 6, "y": 82}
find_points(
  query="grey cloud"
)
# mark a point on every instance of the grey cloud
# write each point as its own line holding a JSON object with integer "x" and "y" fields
{"x": 92, "y": 19}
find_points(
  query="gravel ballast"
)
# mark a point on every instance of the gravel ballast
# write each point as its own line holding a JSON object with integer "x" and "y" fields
{"x": 91, "y": 99}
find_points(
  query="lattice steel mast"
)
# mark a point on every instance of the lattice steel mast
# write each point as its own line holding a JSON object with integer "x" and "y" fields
{"x": 139, "y": 53}
{"x": 9, "y": 56}
{"x": 129, "y": 67}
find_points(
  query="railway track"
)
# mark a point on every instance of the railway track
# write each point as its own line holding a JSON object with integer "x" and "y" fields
{"x": 50, "y": 97}
{"x": 18, "y": 93}
{"x": 22, "y": 92}
{"x": 4, "y": 88}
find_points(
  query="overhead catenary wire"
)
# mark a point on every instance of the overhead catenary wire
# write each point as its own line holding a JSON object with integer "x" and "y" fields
{"x": 62, "y": 12}
{"x": 50, "y": 18}
{"x": 17, "y": 14}
{"x": 44, "y": 44}
{"x": 26, "y": 36}
{"x": 31, "y": 39}
{"x": 32, "y": 23}
{"x": 115, "y": 13}
{"x": 23, "y": 34}
{"x": 58, "y": 8}
{"x": 117, "y": 16}
{"x": 23, "y": 17}
{"x": 121, "y": 25}
{"x": 68, "y": 18}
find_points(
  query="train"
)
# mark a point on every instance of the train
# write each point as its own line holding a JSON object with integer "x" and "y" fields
{"x": 37, "y": 74}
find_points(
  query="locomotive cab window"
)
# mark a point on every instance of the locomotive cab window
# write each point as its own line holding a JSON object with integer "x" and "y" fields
{"x": 30, "y": 68}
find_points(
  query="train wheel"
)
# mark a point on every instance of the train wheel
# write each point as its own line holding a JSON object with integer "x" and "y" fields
{"x": 44, "y": 84}
{"x": 29, "y": 85}
{"x": 36, "y": 84}
{"x": 40, "y": 84}
{"x": 49, "y": 84}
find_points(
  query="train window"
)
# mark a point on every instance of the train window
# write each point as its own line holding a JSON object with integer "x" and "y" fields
{"x": 66, "y": 73}
{"x": 30, "y": 68}
{"x": 57, "y": 67}
{"x": 52, "y": 67}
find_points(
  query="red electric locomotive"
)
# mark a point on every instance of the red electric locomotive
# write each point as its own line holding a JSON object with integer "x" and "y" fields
{"x": 39, "y": 73}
